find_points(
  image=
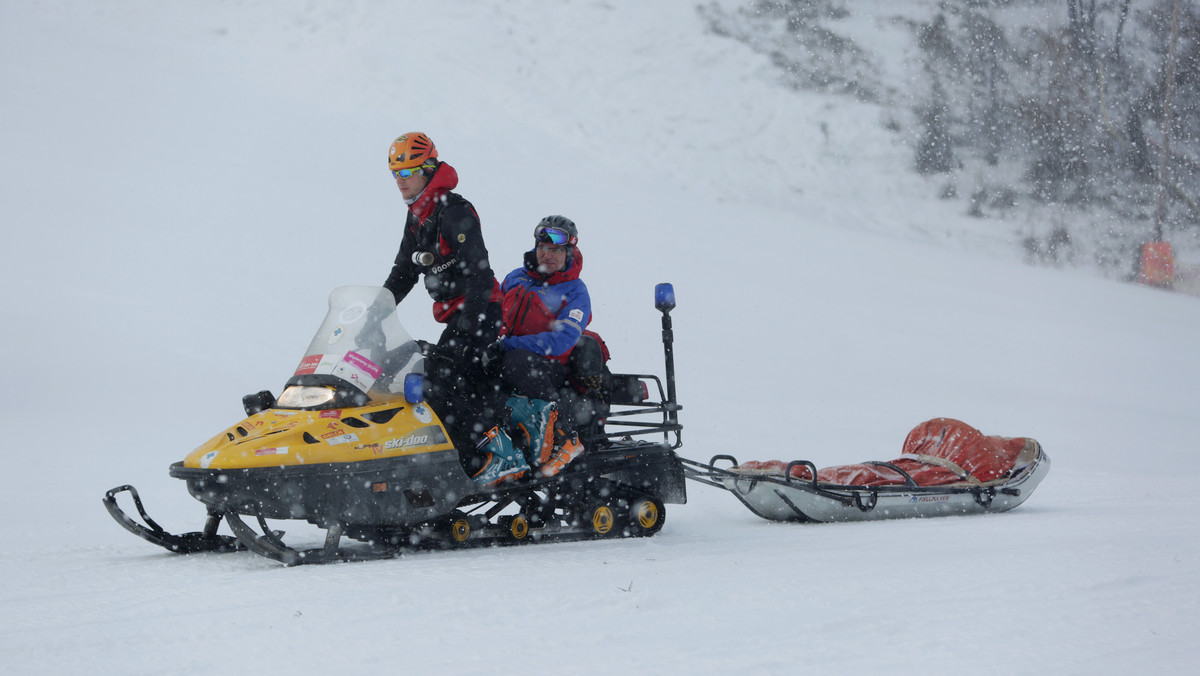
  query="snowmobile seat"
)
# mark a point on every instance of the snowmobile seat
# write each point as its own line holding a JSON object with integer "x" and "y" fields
{"x": 588, "y": 385}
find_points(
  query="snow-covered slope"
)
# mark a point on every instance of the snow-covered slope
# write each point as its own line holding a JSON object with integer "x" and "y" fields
{"x": 182, "y": 186}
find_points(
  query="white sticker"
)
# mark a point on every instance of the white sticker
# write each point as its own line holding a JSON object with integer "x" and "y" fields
{"x": 207, "y": 458}
{"x": 336, "y": 335}
{"x": 344, "y": 439}
{"x": 327, "y": 363}
{"x": 357, "y": 370}
{"x": 576, "y": 314}
{"x": 279, "y": 450}
{"x": 420, "y": 412}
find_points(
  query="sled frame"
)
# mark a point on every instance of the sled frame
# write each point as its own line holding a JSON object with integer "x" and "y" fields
{"x": 863, "y": 498}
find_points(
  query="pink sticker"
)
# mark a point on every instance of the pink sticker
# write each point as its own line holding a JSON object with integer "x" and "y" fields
{"x": 366, "y": 365}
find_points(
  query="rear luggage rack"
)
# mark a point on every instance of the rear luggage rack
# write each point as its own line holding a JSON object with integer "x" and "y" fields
{"x": 631, "y": 419}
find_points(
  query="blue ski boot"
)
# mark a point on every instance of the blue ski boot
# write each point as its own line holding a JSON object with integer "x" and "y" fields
{"x": 503, "y": 461}
{"x": 532, "y": 423}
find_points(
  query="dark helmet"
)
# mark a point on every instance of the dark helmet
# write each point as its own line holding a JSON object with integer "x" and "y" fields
{"x": 556, "y": 230}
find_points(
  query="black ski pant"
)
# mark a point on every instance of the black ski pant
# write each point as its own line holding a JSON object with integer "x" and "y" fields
{"x": 468, "y": 402}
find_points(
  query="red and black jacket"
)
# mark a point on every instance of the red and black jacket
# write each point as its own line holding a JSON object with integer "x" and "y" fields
{"x": 460, "y": 280}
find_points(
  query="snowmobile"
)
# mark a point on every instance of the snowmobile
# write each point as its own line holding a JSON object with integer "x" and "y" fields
{"x": 352, "y": 447}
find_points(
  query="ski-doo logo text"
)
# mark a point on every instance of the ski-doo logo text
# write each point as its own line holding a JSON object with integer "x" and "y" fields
{"x": 410, "y": 440}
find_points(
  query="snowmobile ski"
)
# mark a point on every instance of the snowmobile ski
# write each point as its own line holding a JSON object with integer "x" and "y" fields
{"x": 187, "y": 543}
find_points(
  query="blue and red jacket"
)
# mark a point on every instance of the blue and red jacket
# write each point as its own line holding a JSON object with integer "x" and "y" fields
{"x": 545, "y": 313}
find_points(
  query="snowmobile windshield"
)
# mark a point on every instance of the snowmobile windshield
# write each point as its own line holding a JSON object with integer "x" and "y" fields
{"x": 360, "y": 351}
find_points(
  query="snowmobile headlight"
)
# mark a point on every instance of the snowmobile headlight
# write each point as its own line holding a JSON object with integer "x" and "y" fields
{"x": 305, "y": 396}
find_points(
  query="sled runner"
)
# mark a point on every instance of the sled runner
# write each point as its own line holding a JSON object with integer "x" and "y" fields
{"x": 947, "y": 468}
{"x": 351, "y": 447}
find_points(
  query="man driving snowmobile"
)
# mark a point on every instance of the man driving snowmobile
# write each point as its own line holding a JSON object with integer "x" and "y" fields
{"x": 444, "y": 243}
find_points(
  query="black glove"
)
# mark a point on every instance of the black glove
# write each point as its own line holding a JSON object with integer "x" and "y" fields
{"x": 492, "y": 357}
{"x": 456, "y": 352}
{"x": 444, "y": 353}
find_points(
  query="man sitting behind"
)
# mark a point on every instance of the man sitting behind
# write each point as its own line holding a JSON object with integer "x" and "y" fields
{"x": 546, "y": 309}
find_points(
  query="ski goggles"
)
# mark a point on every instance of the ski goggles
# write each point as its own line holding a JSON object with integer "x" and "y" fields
{"x": 552, "y": 235}
{"x": 407, "y": 173}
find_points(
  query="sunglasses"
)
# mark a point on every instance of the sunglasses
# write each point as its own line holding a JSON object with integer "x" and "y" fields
{"x": 552, "y": 235}
{"x": 406, "y": 173}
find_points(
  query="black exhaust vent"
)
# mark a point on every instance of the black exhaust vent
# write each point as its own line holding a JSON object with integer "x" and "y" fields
{"x": 384, "y": 416}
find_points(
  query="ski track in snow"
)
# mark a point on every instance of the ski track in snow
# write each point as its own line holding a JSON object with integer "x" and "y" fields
{"x": 182, "y": 187}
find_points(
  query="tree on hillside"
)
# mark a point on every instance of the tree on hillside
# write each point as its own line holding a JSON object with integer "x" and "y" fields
{"x": 1092, "y": 107}
{"x": 1172, "y": 101}
{"x": 935, "y": 151}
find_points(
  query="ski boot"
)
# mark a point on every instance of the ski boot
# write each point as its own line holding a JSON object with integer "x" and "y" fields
{"x": 532, "y": 422}
{"x": 566, "y": 448}
{"x": 503, "y": 462}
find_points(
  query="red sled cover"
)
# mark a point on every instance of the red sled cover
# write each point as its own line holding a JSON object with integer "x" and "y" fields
{"x": 937, "y": 452}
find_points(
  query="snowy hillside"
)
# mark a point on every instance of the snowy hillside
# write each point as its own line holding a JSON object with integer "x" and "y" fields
{"x": 181, "y": 187}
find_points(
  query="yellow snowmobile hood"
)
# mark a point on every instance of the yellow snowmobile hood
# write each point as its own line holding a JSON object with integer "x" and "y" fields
{"x": 286, "y": 437}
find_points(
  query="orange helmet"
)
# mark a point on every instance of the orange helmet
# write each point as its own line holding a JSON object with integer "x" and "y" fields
{"x": 410, "y": 151}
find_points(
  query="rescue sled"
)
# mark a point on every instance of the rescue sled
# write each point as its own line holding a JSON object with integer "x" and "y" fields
{"x": 351, "y": 447}
{"x": 947, "y": 468}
